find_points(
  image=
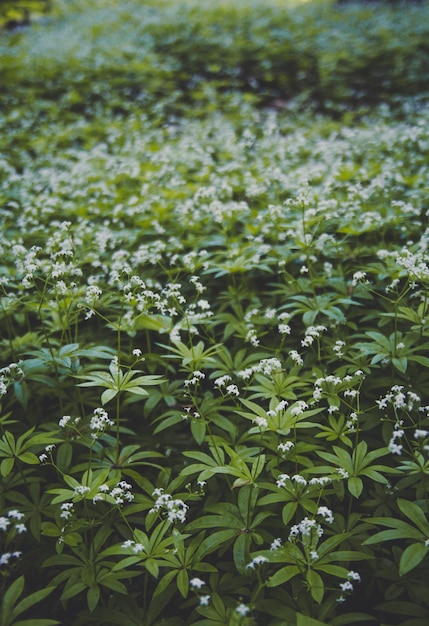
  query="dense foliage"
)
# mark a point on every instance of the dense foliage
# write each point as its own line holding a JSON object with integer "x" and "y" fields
{"x": 214, "y": 316}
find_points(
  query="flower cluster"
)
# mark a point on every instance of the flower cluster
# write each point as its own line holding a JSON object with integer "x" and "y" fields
{"x": 176, "y": 509}
{"x": 99, "y": 422}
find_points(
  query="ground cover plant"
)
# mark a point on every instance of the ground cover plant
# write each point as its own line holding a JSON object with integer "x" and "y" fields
{"x": 214, "y": 317}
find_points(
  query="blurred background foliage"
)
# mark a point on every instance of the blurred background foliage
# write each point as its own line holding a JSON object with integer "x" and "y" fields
{"x": 339, "y": 55}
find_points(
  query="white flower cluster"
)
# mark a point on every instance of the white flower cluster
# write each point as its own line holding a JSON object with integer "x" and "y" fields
{"x": 296, "y": 357}
{"x": 298, "y": 408}
{"x": 397, "y": 398}
{"x": 136, "y": 548}
{"x": 265, "y": 366}
{"x": 222, "y": 381}
{"x": 12, "y": 520}
{"x": 67, "y": 421}
{"x": 67, "y": 509}
{"x": 326, "y": 513}
{"x": 359, "y": 278}
{"x": 44, "y": 457}
{"x": 398, "y": 433}
{"x": 306, "y": 527}
{"x": 261, "y": 422}
{"x": 176, "y": 509}
{"x": 99, "y": 422}
{"x": 120, "y": 493}
{"x": 347, "y": 586}
{"x": 9, "y": 374}
{"x": 312, "y": 333}
{"x": 197, "y": 376}
{"x": 257, "y": 560}
{"x": 300, "y": 480}
{"x": 286, "y": 446}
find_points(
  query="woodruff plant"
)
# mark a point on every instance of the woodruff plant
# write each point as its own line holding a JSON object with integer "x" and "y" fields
{"x": 213, "y": 341}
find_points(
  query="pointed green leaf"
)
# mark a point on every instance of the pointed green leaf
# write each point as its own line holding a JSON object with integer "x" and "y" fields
{"x": 108, "y": 395}
{"x": 283, "y": 575}
{"x": 412, "y": 556}
{"x": 415, "y": 514}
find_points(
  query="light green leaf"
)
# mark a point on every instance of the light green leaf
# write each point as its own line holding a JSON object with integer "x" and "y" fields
{"x": 412, "y": 556}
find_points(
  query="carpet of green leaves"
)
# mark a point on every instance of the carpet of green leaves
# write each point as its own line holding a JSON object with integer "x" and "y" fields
{"x": 214, "y": 307}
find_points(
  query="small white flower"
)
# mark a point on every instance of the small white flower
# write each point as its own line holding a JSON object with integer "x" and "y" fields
{"x": 204, "y": 600}
{"x": 21, "y": 528}
{"x": 242, "y": 609}
{"x": 261, "y": 422}
{"x": 281, "y": 480}
{"x": 420, "y": 434}
{"x": 346, "y": 586}
{"x": 197, "y": 583}
{"x": 64, "y": 421}
{"x": 233, "y": 390}
{"x": 276, "y": 544}
{"x": 257, "y": 560}
{"x": 326, "y": 514}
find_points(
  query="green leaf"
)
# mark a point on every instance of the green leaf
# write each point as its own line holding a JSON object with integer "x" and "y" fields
{"x": 412, "y": 556}
{"x": 355, "y": 486}
{"x": 7, "y": 466}
{"x": 10, "y": 598}
{"x": 283, "y": 575}
{"x": 315, "y": 585}
{"x": 31, "y": 600}
{"x": 304, "y": 620}
{"x": 29, "y": 458}
{"x": 198, "y": 429}
{"x": 108, "y": 395}
{"x": 183, "y": 583}
{"x": 415, "y": 514}
{"x": 215, "y": 540}
{"x": 93, "y": 597}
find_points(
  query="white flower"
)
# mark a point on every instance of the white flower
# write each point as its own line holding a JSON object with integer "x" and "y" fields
{"x": 299, "y": 479}
{"x": 281, "y": 480}
{"x": 21, "y": 528}
{"x": 346, "y": 586}
{"x": 326, "y": 514}
{"x": 233, "y": 390}
{"x": 420, "y": 434}
{"x": 276, "y": 544}
{"x": 204, "y": 600}
{"x": 4, "y": 523}
{"x": 298, "y": 408}
{"x": 242, "y": 609}
{"x": 359, "y": 277}
{"x": 222, "y": 380}
{"x": 137, "y": 352}
{"x": 261, "y": 422}
{"x": 257, "y": 560}
{"x": 15, "y": 514}
{"x": 64, "y": 421}
{"x": 137, "y": 548}
{"x": 197, "y": 583}
{"x": 296, "y": 357}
